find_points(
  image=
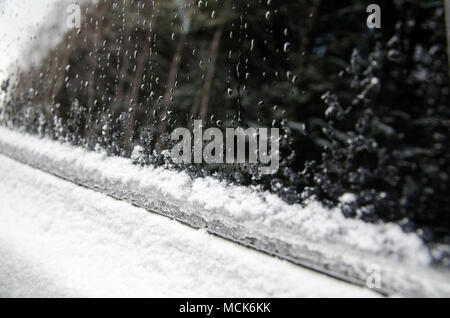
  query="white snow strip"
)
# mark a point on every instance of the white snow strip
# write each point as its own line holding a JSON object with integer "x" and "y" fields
{"x": 313, "y": 235}
{"x": 59, "y": 239}
{"x": 314, "y": 222}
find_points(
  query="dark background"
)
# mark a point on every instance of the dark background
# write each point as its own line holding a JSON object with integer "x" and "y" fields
{"x": 362, "y": 110}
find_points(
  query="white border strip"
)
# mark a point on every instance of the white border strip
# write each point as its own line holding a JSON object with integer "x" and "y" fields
{"x": 310, "y": 236}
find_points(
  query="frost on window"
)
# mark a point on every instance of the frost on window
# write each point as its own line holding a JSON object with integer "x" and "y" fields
{"x": 360, "y": 110}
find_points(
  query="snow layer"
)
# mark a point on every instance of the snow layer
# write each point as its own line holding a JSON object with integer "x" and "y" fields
{"x": 59, "y": 239}
{"x": 239, "y": 203}
{"x": 312, "y": 236}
